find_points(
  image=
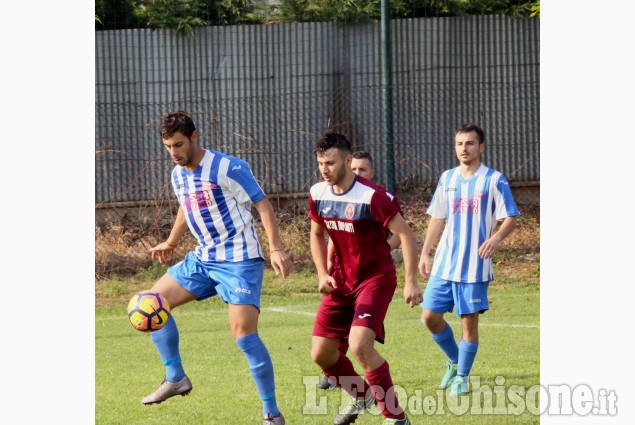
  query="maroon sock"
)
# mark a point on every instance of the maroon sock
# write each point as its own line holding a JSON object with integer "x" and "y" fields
{"x": 381, "y": 384}
{"x": 347, "y": 378}
{"x": 343, "y": 346}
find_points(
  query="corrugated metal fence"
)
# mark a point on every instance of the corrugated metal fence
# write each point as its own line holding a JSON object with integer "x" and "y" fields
{"x": 267, "y": 92}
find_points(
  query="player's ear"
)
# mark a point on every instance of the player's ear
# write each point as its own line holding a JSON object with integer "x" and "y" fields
{"x": 194, "y": 137}
{"x": 349, "y": 159}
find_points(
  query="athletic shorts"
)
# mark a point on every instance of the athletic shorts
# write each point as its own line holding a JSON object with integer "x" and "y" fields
{"x": 441, "y": 296}
{"x": 366, "y": 305}
{"x": 234, "y": 282}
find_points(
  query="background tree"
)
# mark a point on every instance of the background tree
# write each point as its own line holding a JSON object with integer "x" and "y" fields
{"x": 367, "y": 10}
{"x": 184, "y": 15}
{"x": 116, "y": 14}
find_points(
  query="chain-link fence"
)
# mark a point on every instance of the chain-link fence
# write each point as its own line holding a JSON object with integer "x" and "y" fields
{"x": 267, "y": 93}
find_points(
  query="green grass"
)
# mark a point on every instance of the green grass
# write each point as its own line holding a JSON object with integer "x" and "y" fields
{"x": 127, "y": 366}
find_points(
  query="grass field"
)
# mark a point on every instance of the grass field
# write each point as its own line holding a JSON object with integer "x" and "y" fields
{"x": 127, "y": 366}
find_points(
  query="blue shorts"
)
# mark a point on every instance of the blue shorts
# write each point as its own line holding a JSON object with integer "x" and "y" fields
{"x": 234, "y": 282}
{"x": 441, "y": 296}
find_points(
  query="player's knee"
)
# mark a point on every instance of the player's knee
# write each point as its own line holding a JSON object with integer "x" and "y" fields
{"x": 362, "y": 352}
{"x": 433, "y": 321}
{"x": 322, "y": 357}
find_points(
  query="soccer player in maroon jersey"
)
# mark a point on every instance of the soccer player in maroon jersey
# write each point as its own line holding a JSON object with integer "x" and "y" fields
{"x": 362, "y": 164}
{"x": 357, "y": 216}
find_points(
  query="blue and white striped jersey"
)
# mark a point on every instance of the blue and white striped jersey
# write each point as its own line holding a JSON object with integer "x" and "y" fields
{"x": 472, "y": 209}
{"x": 216, "y": 199}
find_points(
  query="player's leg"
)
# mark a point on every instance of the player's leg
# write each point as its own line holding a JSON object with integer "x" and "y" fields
{"x": 332, "y": 324}
{"x": 166, "y": 341}
{"x": 239, "y": 285}
{"x": 337, "y": 367}
{"x": 325, "y": 383}
{"x": 438, "y": 299}
{"x": 185, "y": 281}
{"x": 329, "y": 384}
{"x": 368, "y": 326}
{"x": 340, "y": 371}
{"x": 336, "y": 272}
{"x": 471, "y": 301}
{"x": 243, "y": 320}
{"x": 468, "y": 346}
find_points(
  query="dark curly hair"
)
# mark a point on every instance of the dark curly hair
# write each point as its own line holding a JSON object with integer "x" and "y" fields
{"x": 332, "y": 139}
{"x": 175, "y": 122}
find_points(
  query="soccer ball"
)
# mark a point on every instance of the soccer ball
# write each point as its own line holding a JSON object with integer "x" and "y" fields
{"x": 148, "y": 311}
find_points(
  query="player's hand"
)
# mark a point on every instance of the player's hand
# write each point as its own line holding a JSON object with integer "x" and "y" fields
{"x": 281, "y": 263}
{"x": 488, "y": 248}
{"x": 326, "y": 285}
{"x": 412, "y": 294}
{"x": 425, "y": 266}
{"x": 162, "y": 252}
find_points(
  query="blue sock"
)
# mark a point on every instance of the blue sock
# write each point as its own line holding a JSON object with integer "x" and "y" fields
{"x": 166, "y": 340}
{"x": 445, "y": 340}
{"x": 467, "y": 353}
{"x": 261, "y": 370}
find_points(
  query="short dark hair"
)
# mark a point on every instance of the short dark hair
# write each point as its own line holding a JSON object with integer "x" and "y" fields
{"x": 332, "y": 139}
{"x": 466, "y": 128}
{"x": 363, "y": 155}
{"x": 175, "y": 122}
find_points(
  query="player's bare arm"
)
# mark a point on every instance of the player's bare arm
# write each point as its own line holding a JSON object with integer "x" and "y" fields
{"x": 435, "y": 228}
{"x": 490, "y": 246}
{"x": 394, "y": 242}
{"x": 330, "y": 253}
{"x": 163, "y": 251}
{"x": 326, "y": 283}
{"x": 280, "y": 259}
{"x": 400, "y": 229}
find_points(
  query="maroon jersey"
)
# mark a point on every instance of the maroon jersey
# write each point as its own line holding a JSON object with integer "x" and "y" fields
{"x": 356, "y": 221}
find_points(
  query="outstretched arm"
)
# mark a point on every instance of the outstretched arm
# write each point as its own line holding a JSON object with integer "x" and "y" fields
{"x": 163, "y": 251}
{"x": 280, "y": 260}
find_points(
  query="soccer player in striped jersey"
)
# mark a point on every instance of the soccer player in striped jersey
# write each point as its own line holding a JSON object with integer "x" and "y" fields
{"x": 216, "y": 193}
{"x": 467, "y": 205}
{"x": 357, "y": 215}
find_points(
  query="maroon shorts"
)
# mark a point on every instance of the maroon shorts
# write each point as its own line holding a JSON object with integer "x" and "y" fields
{"x": 366, "y": 305}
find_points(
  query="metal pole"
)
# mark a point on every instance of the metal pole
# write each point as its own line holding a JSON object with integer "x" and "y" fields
{"x": 386, "y": 80}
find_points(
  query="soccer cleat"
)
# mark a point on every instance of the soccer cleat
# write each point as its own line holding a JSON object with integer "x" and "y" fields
{"x": 352, "y": 411}
{"x": 450, "y": 373}
{"x": 459, "y": 385}
{"x": 404, "y": 421}
{"x": 326, "y": 384}
{"x": 271, "y": 420}
{"x": 169, "y": 389}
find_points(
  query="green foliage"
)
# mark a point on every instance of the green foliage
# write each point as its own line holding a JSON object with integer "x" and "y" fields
{"x": 185, "y": 15}
{"x": 535, "y": 9}
{"x": 116, "y": 14}
{"x": 325, "y": 11}
{"x": 368, "y": 10}
{"x": 180, "y": 15}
